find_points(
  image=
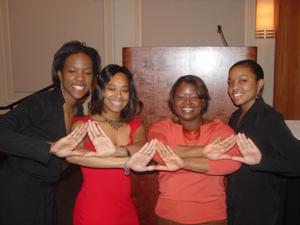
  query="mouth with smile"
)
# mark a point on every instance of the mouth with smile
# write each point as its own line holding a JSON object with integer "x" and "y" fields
{"x": 78, "y": 87}
{"x": 116, "y": 103}
{"x": 236, "y": 96}
{"x": 187, "y": 110}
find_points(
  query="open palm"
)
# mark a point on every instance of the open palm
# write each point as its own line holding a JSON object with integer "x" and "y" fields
{"x": 218, "y": 148}
{"x": 66, "y": 146}
{"x": 172, "y": 161}
{"x": 102, "y": 143}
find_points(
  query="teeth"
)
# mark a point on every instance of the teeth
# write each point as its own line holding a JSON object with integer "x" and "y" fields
{"x": 237, "y": 94}
{"x": 117, "y": 103}
{"x": 188, "y": 110}
{"x": 77, "y": 87}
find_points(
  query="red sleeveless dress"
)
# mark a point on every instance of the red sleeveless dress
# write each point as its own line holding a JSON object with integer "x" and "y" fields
{"x": 105, "y": 195}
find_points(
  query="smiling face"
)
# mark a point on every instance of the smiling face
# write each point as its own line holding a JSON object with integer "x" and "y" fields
{"x": 187, "y": 103}
{"x": 116, "y": 95}
{"x": 76, "y": 77}
{"x": 243, "y": 87}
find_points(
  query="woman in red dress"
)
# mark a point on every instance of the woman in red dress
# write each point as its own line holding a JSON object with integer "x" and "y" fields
{"x": 114, "y": 133}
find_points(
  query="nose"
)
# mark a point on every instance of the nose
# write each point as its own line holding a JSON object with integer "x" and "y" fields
{"x": 234, "y": 85}
{"x": 79, "y": 75}
{"x": 187, "y": 100}
{"x": 119, "y": 94}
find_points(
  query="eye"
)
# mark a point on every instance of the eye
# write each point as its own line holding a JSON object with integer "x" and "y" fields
{"x": 88, "y": 72}
{"x": 243, "y": 80}
{"x": 71, "y": 70}
{"x": 111, "y": 88}
{"x": 229, "y": 82}
{"x": 125, "y": 90}
{"x": 179, "y": 97}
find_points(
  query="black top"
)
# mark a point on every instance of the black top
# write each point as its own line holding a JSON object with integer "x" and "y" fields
{"x": 29, "y": 171}
{"x": 255, "y": 195}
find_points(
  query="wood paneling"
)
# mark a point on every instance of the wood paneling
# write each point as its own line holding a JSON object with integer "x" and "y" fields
{"x": 287, "y": 61}
{"x": 155, "y": 70}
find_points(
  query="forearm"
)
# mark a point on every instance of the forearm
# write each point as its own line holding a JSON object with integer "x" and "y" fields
{"x": 20, "y": 145}
{"x": 128, "y": 150}
{"x": 196, "y": 164}
{"x": 189, "y": 151}
{"x": 96, "y": 162}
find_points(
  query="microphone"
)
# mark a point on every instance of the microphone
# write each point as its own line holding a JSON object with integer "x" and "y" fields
{"x": 220, "y": 32}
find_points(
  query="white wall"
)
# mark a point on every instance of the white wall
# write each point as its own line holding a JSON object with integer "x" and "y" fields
{"x": 294, "y": 126}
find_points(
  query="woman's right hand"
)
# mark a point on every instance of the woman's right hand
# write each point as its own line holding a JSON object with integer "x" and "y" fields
{"x": 103, "y": 144}
{"x": 218, "y": 148}
{"x": 66, "y": 146}
{"x": 250, "y": 154}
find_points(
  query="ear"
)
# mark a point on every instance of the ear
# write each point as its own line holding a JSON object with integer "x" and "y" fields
{"x": 59, "y": 74}
{"x": 260, "y": 84}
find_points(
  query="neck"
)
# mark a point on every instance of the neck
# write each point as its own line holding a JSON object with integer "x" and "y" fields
{"x": 111, "y": 115}
{"x": 191, "y": 125}
{"x": 113, "y": 123}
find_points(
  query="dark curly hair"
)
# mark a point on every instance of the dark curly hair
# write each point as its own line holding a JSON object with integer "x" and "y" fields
{"x": 134, "y": 106}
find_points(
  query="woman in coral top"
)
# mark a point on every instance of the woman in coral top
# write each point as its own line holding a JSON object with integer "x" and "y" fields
{"x": 194, "y": 194}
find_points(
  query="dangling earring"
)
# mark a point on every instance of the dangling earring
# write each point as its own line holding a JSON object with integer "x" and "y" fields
{"x": 257, "y": 95}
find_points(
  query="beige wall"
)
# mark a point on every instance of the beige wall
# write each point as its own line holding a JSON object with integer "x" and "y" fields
{"x": 192, "y": 22}
{"x": 32, "y": 30}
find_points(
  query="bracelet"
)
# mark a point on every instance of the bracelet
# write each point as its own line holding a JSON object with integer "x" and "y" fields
{"x": 126, "y": 168}
{"x": 128, "y": 153}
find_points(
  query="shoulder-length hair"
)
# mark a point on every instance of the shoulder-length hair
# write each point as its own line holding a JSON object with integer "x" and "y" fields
{"x": 134, "y": 106}
{"x": 202, "y": 91}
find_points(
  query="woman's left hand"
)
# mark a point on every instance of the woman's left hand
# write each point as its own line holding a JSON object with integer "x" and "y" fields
{"x": 139, "y": 161}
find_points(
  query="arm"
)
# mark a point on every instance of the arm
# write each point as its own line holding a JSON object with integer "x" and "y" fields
{"x": 137, "y": 162}
{"x": 210, "y": 151}
{"x": 139, "y": 140}
{"x": 13, "y": 127}
{"x": 219, "y": 167}
{"x": 156, "y": 132}
{"x": 283, "y": 153}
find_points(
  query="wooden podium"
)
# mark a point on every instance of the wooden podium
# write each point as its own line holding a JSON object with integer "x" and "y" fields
{"x": 155, "y": 70}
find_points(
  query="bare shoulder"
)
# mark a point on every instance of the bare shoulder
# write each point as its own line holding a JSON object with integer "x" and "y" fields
{"x": 76, "y": 124}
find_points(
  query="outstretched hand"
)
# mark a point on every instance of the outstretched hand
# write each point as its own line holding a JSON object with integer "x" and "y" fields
{"x": 102, "y": 143}
{"x": 172, "y": 161}
{"x": 139, "y": 161}
{"x": 251, "y": 155}
{"x": 218, "y": 148}
{"x": 65, "y": 146}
